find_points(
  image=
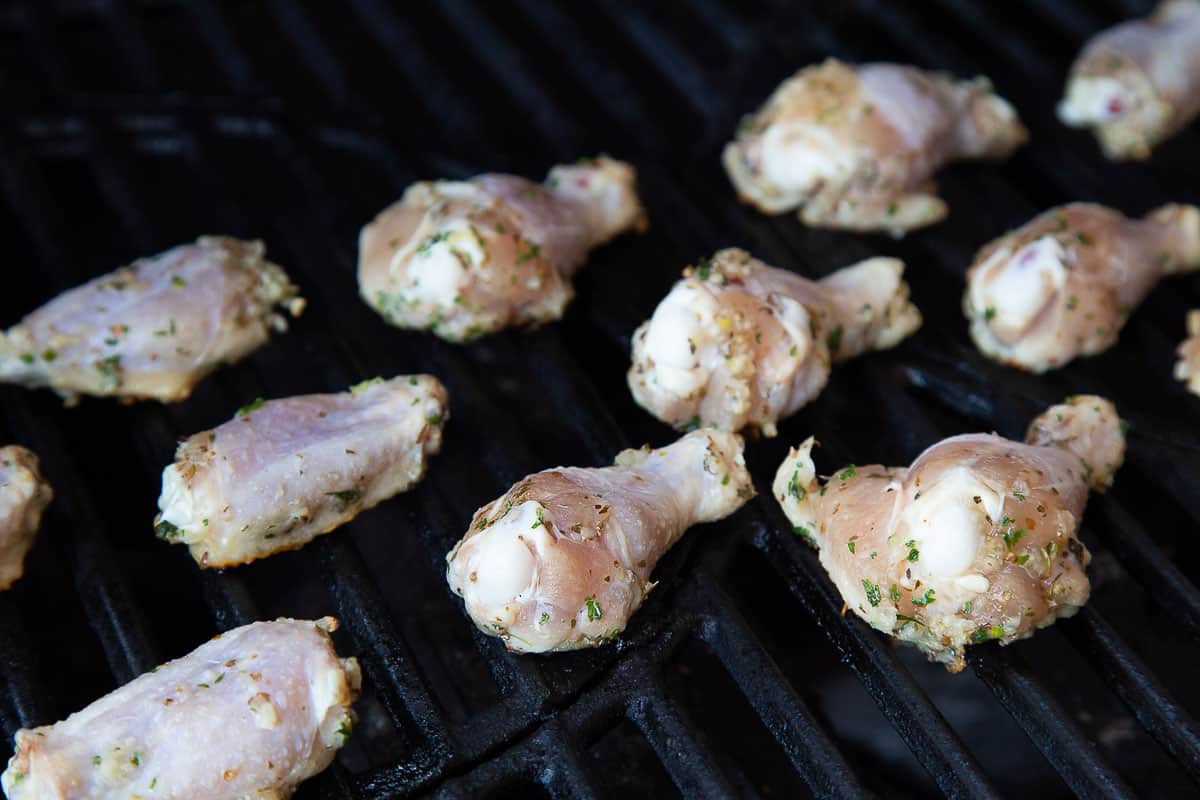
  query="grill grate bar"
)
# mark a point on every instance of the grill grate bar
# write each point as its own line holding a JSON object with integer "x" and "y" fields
{"x": 778, "y": 705}
{"x": 687, "y": 758}
{"x": 101, "y": 585}
{"x": 1132, "y": 681}
{"x": 1050, "y": 727}
{"x": 1128, "y": 539}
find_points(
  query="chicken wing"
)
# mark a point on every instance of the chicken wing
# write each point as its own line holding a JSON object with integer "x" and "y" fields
{"x": 24, "y": 495}
{"x": 855, "y": 147}
{"x": 976, "y": 540}
{"x": 737, "y": 343}
{"x": 1188, "y": 367}
{"x": 153, "y": 329}
{"x": 1063, "y": 285}
{"x": 467, "y": 258}
{"x": 283, "y": 472}
{"x": 251, "y": 714}
{"x": 1138, "y": 83}
{"x": 564, "y": 558}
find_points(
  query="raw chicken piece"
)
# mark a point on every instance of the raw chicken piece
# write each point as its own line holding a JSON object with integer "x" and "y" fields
{"x": 564, "y": 558}
{"x": 1138, "y": 83}
{"x": 977, "y": 540}
{"x": 24, "y": 495}
{"x": 153, "y": 329}
{"x": 283, "y": 472}
{"x": 251, "y": 714}
{"x": 1188, "y": 367}
{"x": 855, "y": 147}
{"x": 737, "y": 343}
{"x": 1063, "y": 285}
{"x": 467, "y": 258}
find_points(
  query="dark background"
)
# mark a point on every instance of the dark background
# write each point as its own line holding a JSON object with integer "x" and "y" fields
{"x": 132, "y": 126}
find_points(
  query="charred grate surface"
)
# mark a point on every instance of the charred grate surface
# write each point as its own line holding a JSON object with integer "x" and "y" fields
{"x": 133, "y": 126}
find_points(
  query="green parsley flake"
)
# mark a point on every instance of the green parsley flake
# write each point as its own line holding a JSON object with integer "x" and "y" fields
{"x": 346, "y": 496}
{"x": 1011, "y": 537}
{"x": 925, "y": 600}
{"x": 362, "y": 386}
{"x": 872, "y": 590}
{"x": 425, "y": 246}
{"x": 983, "y": 634}
{"x": 534, "y": 251}
{"x": 593, "y": 609}
{"x": 166, "y": 531}
{"x": 794, "y": 489}
{"x": 253, "y": 405}
{"x": 834, "y": 340}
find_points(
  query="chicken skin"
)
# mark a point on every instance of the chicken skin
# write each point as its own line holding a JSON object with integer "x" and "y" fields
{"x": 564, "y": 558}
{"x": 251, "y": 714}
{"x": 466, "y": 258}
{"x": 24, "y": 495}
{"x": 1187, "y": 369}
{"x": 154, "y": 329}
{"x": 1064, "y": 284}
{"x": 738, "y": 344}
{"x": 977, "y": 540}
{"x": 1138, "y": 83}
{"x": 283, "y": 472}
{"x": 856, "y": 147}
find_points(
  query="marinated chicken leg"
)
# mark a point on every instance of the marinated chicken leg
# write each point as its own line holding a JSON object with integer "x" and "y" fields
{"x": 1188, "y": 367}
{"x": 251, "y": 714}
{"x": 1063, "y": 285}
{"x": 467, "y": 258}
{"x": 24, "y": 495}
{"x": 737, "y": 343}
{"x": 283, "y": 472}
{"x": 855, "y": 147}
{"x": 1138, "y": 83}
{"x": 564, "y": 558}
{"x": 153, "y": 329}
{"x": 977, "y": 540}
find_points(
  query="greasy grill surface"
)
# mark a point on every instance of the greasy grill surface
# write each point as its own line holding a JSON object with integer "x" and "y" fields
{"x": 134, "y": 126}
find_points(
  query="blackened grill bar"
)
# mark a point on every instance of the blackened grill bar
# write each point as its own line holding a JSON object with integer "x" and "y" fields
{"x": 549, "y": 711}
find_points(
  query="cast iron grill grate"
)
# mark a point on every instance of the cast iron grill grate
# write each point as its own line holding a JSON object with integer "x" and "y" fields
{"x": 133, "y": 126}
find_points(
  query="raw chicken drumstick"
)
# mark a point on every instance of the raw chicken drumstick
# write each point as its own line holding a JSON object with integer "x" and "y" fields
{"x": 153, "y": 329}
{"x": 977, "y": 540}
{"x": 855, "y": 147}
{"x": 1138, "y": 83}
{"x": 251, "y": 714}
{"x": 1063, "y": 285}
{"x": 467, "y": 258}
{"x": 24, "y": 495}
{"x": 737, "y": 343}
{"x": 1188, "y": 367}
{"x": 564, "y": 558}
{"x": 283, "y": 472}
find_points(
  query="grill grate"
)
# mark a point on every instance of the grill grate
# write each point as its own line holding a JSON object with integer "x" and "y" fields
{"x": 142, "y": 124}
